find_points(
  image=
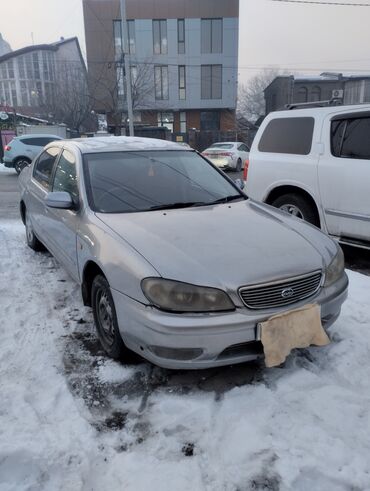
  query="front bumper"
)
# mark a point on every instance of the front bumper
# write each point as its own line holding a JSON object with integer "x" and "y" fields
{"x": 210, "y": 340}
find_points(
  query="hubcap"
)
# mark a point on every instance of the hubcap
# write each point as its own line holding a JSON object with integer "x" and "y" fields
{"x": 292, "y": 210}
{"x": 106, "y": 318}
{"x": 20, "y": 165}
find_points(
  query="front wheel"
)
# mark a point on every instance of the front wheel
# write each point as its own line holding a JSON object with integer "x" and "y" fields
{"x": 298, "y": 206}
{"x": 32, "y": 241}
{"x": 105, "y": 318}
{"x": 20, "y": 164}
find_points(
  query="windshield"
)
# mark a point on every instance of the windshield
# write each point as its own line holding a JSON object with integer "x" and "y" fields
{"x": 122, "y": 182}
{"x": 222, "y": 145}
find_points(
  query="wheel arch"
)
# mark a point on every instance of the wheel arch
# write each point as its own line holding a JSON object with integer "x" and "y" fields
{"x": 291, "y": 189}
{"x": 22, "y": 209}
{"x": 90, "y": 271}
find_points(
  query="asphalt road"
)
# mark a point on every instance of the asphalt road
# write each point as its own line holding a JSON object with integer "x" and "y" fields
{"x": 356, "y": 259}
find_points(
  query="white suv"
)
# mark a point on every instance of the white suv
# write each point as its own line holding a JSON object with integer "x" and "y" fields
{"x": 20, "y": 152}
{"x": 315, "y": 163}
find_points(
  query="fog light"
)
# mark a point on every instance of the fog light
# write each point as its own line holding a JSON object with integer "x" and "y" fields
{"x": 176, "y": 353}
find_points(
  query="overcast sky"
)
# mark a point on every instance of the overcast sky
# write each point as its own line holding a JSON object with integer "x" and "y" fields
{"x": 295, "y": 37}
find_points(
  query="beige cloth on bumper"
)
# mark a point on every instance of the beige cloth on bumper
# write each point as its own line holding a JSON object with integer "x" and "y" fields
{"x": 294, "y": 329}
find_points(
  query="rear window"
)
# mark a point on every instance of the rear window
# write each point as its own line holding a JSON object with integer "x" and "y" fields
{"x": 288, "y": 135}
{"x": 222, "y": 145}
{"x": 38, "y": 141}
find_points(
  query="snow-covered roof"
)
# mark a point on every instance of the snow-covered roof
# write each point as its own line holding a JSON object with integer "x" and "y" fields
{"x": 123, "y": 143}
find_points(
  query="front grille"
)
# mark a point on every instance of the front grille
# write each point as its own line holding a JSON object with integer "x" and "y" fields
{"x": 280, "y": 293}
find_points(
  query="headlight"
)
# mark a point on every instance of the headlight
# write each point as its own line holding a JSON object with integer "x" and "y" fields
{"x": 184, "y": 297}
{"x": 335, "y": 268}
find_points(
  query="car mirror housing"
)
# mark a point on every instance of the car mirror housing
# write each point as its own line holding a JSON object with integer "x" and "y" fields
{"x": 239, "y": 183}
{"x": 59, "y": 199}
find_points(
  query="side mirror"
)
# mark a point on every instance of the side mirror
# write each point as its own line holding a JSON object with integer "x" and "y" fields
{"x": 240, "y": 183}
{"x": 59, "y": 199}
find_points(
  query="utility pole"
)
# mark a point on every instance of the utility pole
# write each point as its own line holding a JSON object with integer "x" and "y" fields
{"x": 126, "y": 67}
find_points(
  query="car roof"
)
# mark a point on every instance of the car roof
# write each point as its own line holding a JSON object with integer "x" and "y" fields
{"x": 320, "y": 111}
{"x": 39, "y": 135}
{"x": 122, "y": 144}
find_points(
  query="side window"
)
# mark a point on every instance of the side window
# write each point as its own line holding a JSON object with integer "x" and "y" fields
{"x": 350, "y": 139}
{"x": 38, "y": 141}
{"x": 288, "y": 135}
{"x": 43, "y": 167}
{"x": 243, "y": 148}
{"x": 336, "y": 136}
{"x": 65, "y": 177}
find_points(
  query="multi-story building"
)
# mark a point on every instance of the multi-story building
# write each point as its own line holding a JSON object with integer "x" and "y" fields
{"x": 352, "y": 89}
{"x": 183, "y": 56}
{"x": 32, "y": 78}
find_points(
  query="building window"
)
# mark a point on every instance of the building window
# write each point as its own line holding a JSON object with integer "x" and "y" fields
{"x": 182, "y": 122}
{"x": 316, "y": 93}
{"x": 117, "y": 31}
{"x": 24, "y": 93}
{"x": 181, "y": 36}
{"x": 3, "y": 71}
{"x": 211, "y": 36}
{"x": 210, "y": 120}
{"x": 211, "y": 81}
{"x": 121, "y": 85}
{"x": 161, "y": 82}
{"x": 160, "y": 37}
{"x": 302, "y": 95}
{"x": 182, "y": 82}
{"x": 14, "y": 93}
{"x": 166, "y": 119}
{"x": 36, "y": 66}
{"x": 10, "y": 69}
{"x": 22, "y": 73}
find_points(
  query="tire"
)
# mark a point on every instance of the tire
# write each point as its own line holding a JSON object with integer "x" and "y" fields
{"x": 32, "y": 241}
{"x": 105, "y": 318}
{"x": 20, "y": 164}
{"x": 298, "y": 206}
{"x": 239, "y": 165}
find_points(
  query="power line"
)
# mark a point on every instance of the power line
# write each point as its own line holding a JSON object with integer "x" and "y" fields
{"x": 320, "y": 2}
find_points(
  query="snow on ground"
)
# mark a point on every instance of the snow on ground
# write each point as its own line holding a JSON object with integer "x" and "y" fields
{"x": 72, "y": 420}
{"x": 6, "y": 170}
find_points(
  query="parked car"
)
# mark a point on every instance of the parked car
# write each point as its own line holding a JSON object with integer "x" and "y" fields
{"x": 152, "y": 232}
{"x": 20, "y": 151}
{"x": 228, "y": 155}
{"x": 315, "y": 164}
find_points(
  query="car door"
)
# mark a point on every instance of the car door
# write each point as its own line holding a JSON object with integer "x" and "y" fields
{"x": 62, "y": 224}
{"x": 37, "y": 189}
{"x": 344, "y": 175}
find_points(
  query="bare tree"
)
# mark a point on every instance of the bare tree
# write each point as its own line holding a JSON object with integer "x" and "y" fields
{"x": 69, "y": 102}
{"x": 251, "y": 98}
{"x": 108, "y": 90}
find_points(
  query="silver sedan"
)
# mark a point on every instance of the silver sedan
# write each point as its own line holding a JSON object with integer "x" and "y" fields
{"x": 176, "y": 262}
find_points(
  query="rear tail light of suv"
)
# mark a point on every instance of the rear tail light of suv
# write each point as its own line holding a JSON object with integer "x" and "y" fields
{"x": 7, "y": 148}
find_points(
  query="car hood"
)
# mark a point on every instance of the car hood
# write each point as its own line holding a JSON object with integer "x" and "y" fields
{"x": 225, "y": 245}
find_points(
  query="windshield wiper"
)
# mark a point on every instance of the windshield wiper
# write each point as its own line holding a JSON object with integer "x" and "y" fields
{"x": 180, "y": 204}
{"x": 189, "y": 204}
{"x": 226, "y": 199}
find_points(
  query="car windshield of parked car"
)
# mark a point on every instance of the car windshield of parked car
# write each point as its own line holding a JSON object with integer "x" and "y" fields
{"x": 123, "y": 182}
{"x": 222, "y": 145}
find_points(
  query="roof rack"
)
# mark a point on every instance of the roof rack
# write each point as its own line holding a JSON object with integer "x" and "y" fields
{"x": 304, "y": 105}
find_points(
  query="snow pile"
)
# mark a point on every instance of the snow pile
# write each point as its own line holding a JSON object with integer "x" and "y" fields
{"x": 6, "y": 170}
{"x": 72, "y": 420}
